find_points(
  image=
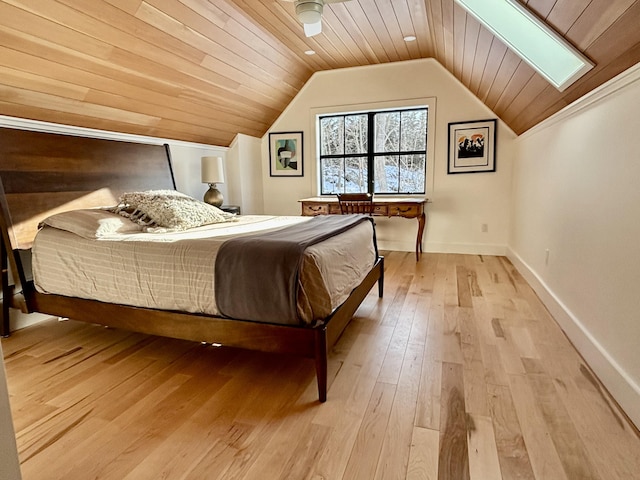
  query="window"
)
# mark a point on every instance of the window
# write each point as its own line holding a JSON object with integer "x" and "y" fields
{"x": 377, "y": 152}
{"x": 532, "y": 39}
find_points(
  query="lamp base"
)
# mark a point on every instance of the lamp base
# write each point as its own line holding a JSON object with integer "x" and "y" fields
{"x": 213, "y": 196}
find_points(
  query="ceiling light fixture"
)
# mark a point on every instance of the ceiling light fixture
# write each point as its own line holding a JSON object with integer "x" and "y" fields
{"x": 409, "y": 38}
{"x": 309, "y": 11}
{"x": 309, "y": 52}
{"x": 533, "y": 40}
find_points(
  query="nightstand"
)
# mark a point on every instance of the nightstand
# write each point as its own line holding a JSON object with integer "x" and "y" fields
{"x": 230, "y": 209}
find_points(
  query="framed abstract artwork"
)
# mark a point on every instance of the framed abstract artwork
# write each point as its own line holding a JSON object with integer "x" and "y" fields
{"x": 472, "y": 147}
{"x": 285, "y": 154}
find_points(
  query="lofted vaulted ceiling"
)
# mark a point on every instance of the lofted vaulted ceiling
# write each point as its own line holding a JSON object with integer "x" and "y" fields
{"x": 205, "y": 70}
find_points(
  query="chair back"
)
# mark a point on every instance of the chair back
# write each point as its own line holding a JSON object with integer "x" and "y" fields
{"x": 355, "y": 203}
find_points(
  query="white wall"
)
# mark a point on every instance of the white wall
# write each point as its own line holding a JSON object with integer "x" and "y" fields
{"x": 576, "y": 193}
{"x": 185, "y": 159}
{"x": 461, "y": 203}
{"x": 243, "y": 161}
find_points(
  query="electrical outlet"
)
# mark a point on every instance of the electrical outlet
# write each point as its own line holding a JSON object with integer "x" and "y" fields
{"x": 484, "y": 228}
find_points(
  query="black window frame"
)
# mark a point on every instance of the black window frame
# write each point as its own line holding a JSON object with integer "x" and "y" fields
{"x": 371, "y": 154}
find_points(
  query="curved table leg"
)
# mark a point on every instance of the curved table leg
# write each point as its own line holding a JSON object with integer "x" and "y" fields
{"x": 422, "y": 221}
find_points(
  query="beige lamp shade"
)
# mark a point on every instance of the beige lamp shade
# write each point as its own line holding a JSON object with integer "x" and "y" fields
{"x": 212, "y": 170}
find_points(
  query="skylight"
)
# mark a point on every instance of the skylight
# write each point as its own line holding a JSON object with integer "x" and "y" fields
{"x": 537, "y": 44}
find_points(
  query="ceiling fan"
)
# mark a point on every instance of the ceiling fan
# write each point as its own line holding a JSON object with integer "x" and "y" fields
{"x": 309, "y": 12}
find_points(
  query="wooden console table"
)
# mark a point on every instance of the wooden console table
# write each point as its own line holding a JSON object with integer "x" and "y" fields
{"x": 387, "y": 207}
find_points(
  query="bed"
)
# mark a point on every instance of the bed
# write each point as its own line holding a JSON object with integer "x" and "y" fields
{"x": 44, "y": 175}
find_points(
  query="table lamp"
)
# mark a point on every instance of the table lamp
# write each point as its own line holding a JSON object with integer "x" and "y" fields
{"x": 212, "y": 172}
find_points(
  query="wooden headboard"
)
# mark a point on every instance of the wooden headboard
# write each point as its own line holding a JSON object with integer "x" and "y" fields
{"x": 46, "y": 173}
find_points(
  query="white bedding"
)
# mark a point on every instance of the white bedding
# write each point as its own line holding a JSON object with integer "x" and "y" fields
{"x": 175, "y": 271}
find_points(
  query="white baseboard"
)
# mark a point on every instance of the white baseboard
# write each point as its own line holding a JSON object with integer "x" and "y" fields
{"x": 462, "y": 248}
{"x": 466, "y": 248}
{"x": 622, "y": 387}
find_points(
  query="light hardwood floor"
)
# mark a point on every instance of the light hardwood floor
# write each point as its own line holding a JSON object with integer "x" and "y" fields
{"x": 459, "y": 372}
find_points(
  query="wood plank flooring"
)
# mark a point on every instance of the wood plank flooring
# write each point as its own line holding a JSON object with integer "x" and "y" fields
{"x": 459, "y": 372}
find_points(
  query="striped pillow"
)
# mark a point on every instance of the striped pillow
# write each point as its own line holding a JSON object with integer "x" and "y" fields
{"x": 92, "y": 223}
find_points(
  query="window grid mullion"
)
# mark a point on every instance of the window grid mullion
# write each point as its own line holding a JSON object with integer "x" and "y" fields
{"x": 344, "y": 152}
{"x": 370, "y": 149}
{"x": 399, "y": 149}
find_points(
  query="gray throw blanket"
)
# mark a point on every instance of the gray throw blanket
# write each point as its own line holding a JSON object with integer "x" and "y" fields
{"x": 256, "y": 276}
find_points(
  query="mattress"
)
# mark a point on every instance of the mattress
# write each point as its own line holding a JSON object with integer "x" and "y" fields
{"x": 175, "y": 271}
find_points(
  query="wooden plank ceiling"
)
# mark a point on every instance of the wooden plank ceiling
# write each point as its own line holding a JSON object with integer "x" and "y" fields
{"x": 203, "y": 71}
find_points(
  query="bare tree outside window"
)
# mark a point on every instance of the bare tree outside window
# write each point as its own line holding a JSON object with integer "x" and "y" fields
{"x": 376, "y": 152}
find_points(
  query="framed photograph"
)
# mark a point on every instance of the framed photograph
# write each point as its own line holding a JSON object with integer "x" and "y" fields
{"x": 472, "y": 147}
{"x": 285, "y": 154}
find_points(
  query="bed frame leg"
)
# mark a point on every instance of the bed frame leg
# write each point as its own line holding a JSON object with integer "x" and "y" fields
{"x": 381, "y": 279}
{"x": 321, "y": 362}
{"x": 6, "y": 291}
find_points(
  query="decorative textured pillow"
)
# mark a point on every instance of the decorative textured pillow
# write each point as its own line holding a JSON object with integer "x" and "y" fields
{"x": 169, "y": 210}
{"x": 91, "y": 223}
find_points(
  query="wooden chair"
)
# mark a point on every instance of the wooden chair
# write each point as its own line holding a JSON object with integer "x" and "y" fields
{"x": 355, "y": 203}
